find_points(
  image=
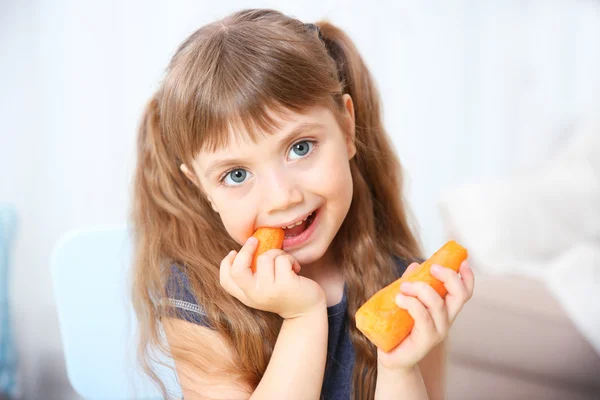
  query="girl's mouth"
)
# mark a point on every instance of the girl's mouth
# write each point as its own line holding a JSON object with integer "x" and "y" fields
{"x": 299, "y": 234}
{"x": 300, "y": 227}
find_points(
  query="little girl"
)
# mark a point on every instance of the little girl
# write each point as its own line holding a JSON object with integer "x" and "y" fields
{"x": 262, "y": 120}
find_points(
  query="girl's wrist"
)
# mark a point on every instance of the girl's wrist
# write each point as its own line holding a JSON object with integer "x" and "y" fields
{"x": 313, "y": 312}
{"x": 385, "y": 372}
{"x": 392, "y": 383}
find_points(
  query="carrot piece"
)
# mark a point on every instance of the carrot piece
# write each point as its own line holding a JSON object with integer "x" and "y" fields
{"x": 268, "y": 238}
{"x": 382, "y": 321}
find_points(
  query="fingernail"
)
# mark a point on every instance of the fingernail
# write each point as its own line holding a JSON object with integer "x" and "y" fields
{"x": 405, "y": 286}
{"x": 436, "y": 268}
{"x": 400, "y": 301}
{"x": 251, "y": 240}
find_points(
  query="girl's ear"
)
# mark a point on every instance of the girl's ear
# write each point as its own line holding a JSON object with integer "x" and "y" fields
{"x": 189, "y": 174}
{"x": 351, "y": 136}
{"x": 212, "y": 205}
{"x": 192, "y": 177}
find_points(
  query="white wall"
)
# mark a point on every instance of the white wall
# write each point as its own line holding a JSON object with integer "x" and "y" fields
{"x": 471, "y": 90}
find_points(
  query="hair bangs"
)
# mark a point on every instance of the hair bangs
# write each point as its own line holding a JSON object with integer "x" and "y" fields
{"x": 245, "y": 80}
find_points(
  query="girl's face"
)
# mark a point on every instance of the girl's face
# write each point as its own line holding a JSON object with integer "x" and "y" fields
{"x": 297, "y": 178}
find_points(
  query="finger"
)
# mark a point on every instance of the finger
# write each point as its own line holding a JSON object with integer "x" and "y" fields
{"x": 423, "y": 322}
{"x": 458, "y": 293}
{"x": 240, "y": 269}
{"x": 284, "y": 266}
{"x": 431, "y": 299}
{"x": 468, "y": 277}
{"x": 410, "y": 269}
{"x": 265, "y": 267}
{"x": 297, "y": 267}
{"x": 225, "y": 276}
{"x": 225, "y": 270}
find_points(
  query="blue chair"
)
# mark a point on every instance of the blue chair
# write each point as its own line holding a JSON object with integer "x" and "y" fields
{"x": 91, "y": 278}
{"x": 8, "y": 355}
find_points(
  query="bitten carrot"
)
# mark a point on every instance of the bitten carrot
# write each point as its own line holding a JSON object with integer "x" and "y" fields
{"x": 382, "y": 321}
{"x": 268, "y": 238}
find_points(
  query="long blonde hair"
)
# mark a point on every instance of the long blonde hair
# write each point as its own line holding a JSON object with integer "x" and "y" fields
{"x": 230, "y": 72}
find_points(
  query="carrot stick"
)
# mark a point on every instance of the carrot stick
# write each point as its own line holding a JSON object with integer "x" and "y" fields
{"x": 382, "y": 321}
{"x": 268, "y": 238}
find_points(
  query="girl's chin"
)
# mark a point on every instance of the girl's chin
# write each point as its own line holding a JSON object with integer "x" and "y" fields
{"x": 307, "y": 256}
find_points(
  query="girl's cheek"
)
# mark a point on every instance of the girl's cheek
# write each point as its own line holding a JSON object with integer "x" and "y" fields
{"x": 238, "y": 229}
{"x": 238, "y": 220}
{"x": 338, "y": 178}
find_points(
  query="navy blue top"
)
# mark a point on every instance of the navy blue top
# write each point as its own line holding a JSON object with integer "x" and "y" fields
{"x": 340, "y": 351}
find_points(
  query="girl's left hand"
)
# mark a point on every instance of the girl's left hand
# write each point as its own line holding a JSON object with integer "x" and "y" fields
{"x": 433, "y": 315}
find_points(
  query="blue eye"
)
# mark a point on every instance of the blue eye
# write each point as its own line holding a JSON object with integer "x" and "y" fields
{"x": 235, "y": 177}
{"x": 301, "y": 149}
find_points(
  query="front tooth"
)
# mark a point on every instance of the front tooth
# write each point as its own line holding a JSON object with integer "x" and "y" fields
{"x": 297, "y": 223}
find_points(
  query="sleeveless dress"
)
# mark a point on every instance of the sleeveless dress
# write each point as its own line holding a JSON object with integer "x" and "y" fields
{"x": 340, "y": 351}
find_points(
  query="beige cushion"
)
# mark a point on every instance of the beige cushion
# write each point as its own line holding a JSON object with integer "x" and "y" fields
{"x": 514, "y": 326}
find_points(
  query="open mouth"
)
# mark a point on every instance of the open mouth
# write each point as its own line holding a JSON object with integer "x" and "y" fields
{"x": 300, "y": 226}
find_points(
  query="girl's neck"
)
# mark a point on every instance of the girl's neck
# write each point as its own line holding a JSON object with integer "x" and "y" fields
{"x": 328, "y": 275}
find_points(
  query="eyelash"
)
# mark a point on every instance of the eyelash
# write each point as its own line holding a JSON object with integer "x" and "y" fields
{"x": 314, "y": 142}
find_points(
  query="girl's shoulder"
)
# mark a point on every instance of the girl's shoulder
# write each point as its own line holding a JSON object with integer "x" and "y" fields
{"x": 180, "y": 298}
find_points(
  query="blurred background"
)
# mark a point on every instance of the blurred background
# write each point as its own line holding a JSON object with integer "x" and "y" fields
{"x": 492, "y": 106}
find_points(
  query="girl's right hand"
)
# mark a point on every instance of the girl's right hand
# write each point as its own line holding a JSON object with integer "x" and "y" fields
{"x": 275, "y": 287}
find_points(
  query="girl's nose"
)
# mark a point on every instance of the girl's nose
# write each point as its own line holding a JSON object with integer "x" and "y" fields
{"x": 281, "y": 191}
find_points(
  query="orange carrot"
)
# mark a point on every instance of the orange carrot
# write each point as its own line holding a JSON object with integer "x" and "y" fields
{"x": 382, "y": 321}
{"x": 268, "y": 238}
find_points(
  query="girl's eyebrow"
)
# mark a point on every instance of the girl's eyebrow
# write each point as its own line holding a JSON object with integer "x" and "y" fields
{"x": 222, "y": 164}
{"x": 300, "y": 129}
